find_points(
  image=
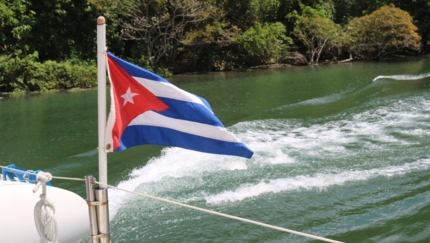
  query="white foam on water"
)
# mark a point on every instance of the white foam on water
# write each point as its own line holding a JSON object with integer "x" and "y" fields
{"x": 292, "y": 143}
{"x": 173, "y": 163}
{"x": 404, "y": 77}
{"x": 313, "y": 182}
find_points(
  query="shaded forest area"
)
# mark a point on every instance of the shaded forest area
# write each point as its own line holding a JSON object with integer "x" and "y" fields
{"x": 50, "y": 44}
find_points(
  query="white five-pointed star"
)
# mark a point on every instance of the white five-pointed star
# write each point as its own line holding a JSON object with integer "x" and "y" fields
{"x": 128, "y": 96}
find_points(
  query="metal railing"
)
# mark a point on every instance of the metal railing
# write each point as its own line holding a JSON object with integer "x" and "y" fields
{"x": 14, "y": 173}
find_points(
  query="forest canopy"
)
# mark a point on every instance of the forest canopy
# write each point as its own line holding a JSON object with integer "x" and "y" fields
{"x": 38, "y": 38}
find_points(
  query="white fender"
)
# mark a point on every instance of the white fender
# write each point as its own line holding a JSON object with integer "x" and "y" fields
{"x": 17, "y": 202}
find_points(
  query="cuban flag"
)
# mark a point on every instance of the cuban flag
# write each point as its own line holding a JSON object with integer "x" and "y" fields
{"x": 147, "y": 109}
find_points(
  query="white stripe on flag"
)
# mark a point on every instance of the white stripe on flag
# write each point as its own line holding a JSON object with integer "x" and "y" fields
{"x": 168, "y": 90}
{"x": 151, "y": 118}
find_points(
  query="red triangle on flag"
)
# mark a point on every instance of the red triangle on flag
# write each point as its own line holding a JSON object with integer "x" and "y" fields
{"x": 130, "y": 98}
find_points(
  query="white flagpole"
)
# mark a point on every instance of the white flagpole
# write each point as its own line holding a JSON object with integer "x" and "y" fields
{"x": 100, "y": 193}
{"x": 101, "y": 75}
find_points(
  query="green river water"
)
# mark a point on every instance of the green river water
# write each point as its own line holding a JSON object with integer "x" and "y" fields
{"x": 341, "y": 151}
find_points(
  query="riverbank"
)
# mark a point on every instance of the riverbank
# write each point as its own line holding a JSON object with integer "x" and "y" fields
{"x": 296, "y": 59}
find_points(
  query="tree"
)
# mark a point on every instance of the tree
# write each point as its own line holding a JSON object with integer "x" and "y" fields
{"x": 420, "y": 11}
{"x": 346, "y": 10}
{"x": 202, "y": 45}
{"x": 16, "y": 22}
{"x": 315, "y": 32}
{"x": 245, "y": 13}
{"x": 63, "y": 29}
{"x": 55, "y": 29}
{"x": 162, "y": 25}
{"x": 266, "y": 42}
{"x": 385, "y": 31}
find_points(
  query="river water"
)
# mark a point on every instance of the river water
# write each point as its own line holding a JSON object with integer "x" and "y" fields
{"x": 341, "y": 151}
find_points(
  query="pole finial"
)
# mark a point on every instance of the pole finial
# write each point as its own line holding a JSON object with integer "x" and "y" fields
{"x": 101, "y": 20}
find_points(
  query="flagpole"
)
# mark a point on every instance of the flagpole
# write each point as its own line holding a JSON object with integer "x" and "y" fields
{"x": 101, "y": 82}
{"x": 101, "y": 194}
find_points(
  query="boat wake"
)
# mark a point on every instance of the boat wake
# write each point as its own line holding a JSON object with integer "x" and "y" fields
{"x": 316, "y": 182}
{"x": 404, "y": 77}
{"x": 293, "y": 155}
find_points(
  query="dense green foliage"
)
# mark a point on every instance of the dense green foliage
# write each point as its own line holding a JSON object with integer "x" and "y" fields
{"x": 27, "y": 74}
{"x": 266, "y": 42}
{"x": 173, "y": 36}
{"x": 383, "y": 32}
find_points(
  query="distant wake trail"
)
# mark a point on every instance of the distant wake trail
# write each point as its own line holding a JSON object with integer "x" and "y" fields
{"x": 404, "y": 77}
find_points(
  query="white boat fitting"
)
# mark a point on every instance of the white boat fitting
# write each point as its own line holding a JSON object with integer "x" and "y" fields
{"x": 17, "y": 205}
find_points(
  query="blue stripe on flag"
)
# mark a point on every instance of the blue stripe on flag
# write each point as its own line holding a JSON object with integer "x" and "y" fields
{"x": 189, "y": 111}
{"x": 167, "y": 137}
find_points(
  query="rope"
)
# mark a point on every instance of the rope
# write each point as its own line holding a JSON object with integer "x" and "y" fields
{"x": 225, "y": 215}
{"x": 68, "y": 178}
{"x": 44, "y": 212}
